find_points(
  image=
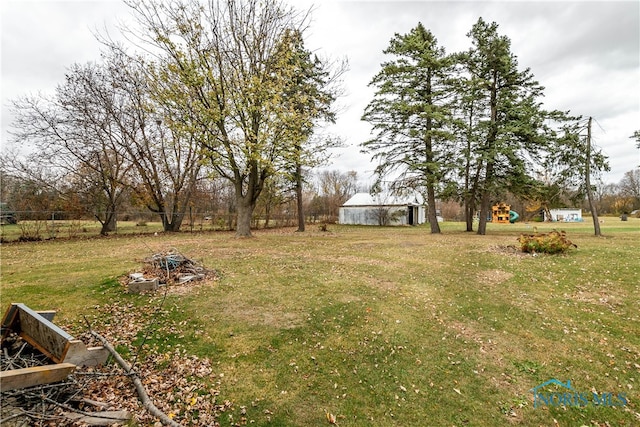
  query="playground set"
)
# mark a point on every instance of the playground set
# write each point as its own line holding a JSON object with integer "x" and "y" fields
{"x": 502, "y": 214}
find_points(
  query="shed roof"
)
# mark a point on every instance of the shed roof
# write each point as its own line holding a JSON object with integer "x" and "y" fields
{"x": 366, "y": 199}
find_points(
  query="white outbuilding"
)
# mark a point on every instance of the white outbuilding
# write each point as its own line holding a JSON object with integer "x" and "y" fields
{"x": 365, "y": 209}
{"x": 564, "y": 215}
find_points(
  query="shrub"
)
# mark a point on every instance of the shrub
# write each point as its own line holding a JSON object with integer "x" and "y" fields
{"x": 553, "y": 242}
{"x": 74, "y": 229}
{"x": 31, "y": 231}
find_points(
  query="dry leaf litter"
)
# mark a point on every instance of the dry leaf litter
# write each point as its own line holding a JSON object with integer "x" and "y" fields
{"x": 183, "y": 386}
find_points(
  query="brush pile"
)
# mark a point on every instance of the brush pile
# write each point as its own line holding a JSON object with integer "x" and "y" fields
{"x": 172, "y": 267}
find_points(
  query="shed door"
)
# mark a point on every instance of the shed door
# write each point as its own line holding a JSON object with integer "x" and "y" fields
{"x": 411, "y": 218}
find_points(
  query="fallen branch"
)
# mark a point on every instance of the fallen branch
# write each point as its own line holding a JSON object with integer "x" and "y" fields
{"x": 142, "y": 393}
{"x": 22, "y": 413}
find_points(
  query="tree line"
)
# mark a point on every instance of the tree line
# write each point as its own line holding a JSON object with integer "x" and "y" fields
{"x": 221, "y": 103}
{"x": 213, "y": 204}
{"x": 214, "y": 90}
{"x": 470, "y": 127}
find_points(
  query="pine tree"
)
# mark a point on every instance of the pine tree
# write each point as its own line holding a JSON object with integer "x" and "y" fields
{"x": 512, "y": 126}
{"x": 306, "y": 99}
{"x": 411, "y": 115}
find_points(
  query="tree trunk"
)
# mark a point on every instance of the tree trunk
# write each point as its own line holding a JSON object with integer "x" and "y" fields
{"x": 109, "y": 221}
{"x": 174, "y": 224}
{"x": 247, "y": 190}
{"x": 468, "y": 213}
{"x": 433, "y": 217}
{"x": 587, "y": 183}
{"x": 470, "y": 199}
{"x": 484, "y": 213}
{"x": 171, "y": 223}
{"x": 491, "y": 145}
{"x": 468, "y": 196}
{"x": 485, "y": 201}
{"x": 431, "y": 175}
{"x": 299, "y": 198}
{"x": 109, "y": 224}
{"x": 244, "y": 209}
{"x": 164, "y": 219}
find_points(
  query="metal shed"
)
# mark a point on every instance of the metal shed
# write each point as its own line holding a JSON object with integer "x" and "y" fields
{"x": 565, "y": 215}
{"x": 365, "y": 209}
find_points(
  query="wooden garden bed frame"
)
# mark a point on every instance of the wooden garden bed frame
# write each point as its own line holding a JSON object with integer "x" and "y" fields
{"x": 37, "y": 329}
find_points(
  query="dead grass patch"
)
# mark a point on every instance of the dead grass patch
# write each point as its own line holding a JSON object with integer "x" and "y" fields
{"x": 494, "y": 277}
{"x": 271, "y": 316}
{"x": 508, "y": 250}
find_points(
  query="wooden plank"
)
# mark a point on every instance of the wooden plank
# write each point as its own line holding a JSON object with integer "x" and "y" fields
{"x": 9, "y": 315}
{"x": 101, "y": 418}
{"x": 9, "y": 318}
{"x": 47, "y": 314}
{"x": 42, "y": 334}
{"x": 37, "y": 375}
{"x": 50, "y": 339}
{"x": 78, "y": 354}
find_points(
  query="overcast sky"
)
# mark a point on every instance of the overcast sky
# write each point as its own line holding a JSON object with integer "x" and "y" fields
{"x": 585, "y": 53}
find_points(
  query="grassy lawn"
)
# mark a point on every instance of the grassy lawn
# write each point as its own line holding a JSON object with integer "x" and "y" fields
{"x": 377, "y": 326}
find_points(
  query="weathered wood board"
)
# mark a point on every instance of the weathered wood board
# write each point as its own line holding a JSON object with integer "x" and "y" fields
{"x": 44, "y": 335}
{"x": 50, "y": 339}
{"x": 102, "y": 418}
{"x": 36, "y": 375}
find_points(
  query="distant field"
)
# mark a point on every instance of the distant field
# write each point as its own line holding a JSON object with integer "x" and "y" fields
{"x": 378, "y": 326}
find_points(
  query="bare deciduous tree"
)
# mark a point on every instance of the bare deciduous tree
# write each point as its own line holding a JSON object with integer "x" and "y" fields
{"x": 217, "y": 66}
{"x": 71, "y": 136}
{"x": 102, "y": 131}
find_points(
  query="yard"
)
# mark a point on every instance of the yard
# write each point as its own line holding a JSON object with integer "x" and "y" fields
{"x": 363, "y": 326}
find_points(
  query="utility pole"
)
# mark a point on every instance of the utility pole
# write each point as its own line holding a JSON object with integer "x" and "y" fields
{"x": 587, "y": 183}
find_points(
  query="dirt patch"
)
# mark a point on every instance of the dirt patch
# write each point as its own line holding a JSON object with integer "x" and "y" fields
{"x": 597, "y": 298}
{"x": 508, "y": 250}
{"x": 494, "y": 277}
{"x": 189, "y": 287}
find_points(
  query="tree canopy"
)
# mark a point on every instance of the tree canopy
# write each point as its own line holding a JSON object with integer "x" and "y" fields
{"x": 228, "y": 69}
{"x": 229, "y": 90}
{"x": 228, "y": 86}
{"x": 468, "y": 125}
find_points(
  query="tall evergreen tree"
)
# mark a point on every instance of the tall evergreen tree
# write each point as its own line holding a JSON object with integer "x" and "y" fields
{"x": 411, "y": 116}
{"x": 512, "y": 128}
{"x": 573, "y": 159}
{"x": 306, "y": 99}
{"x": 469, "y": 109}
